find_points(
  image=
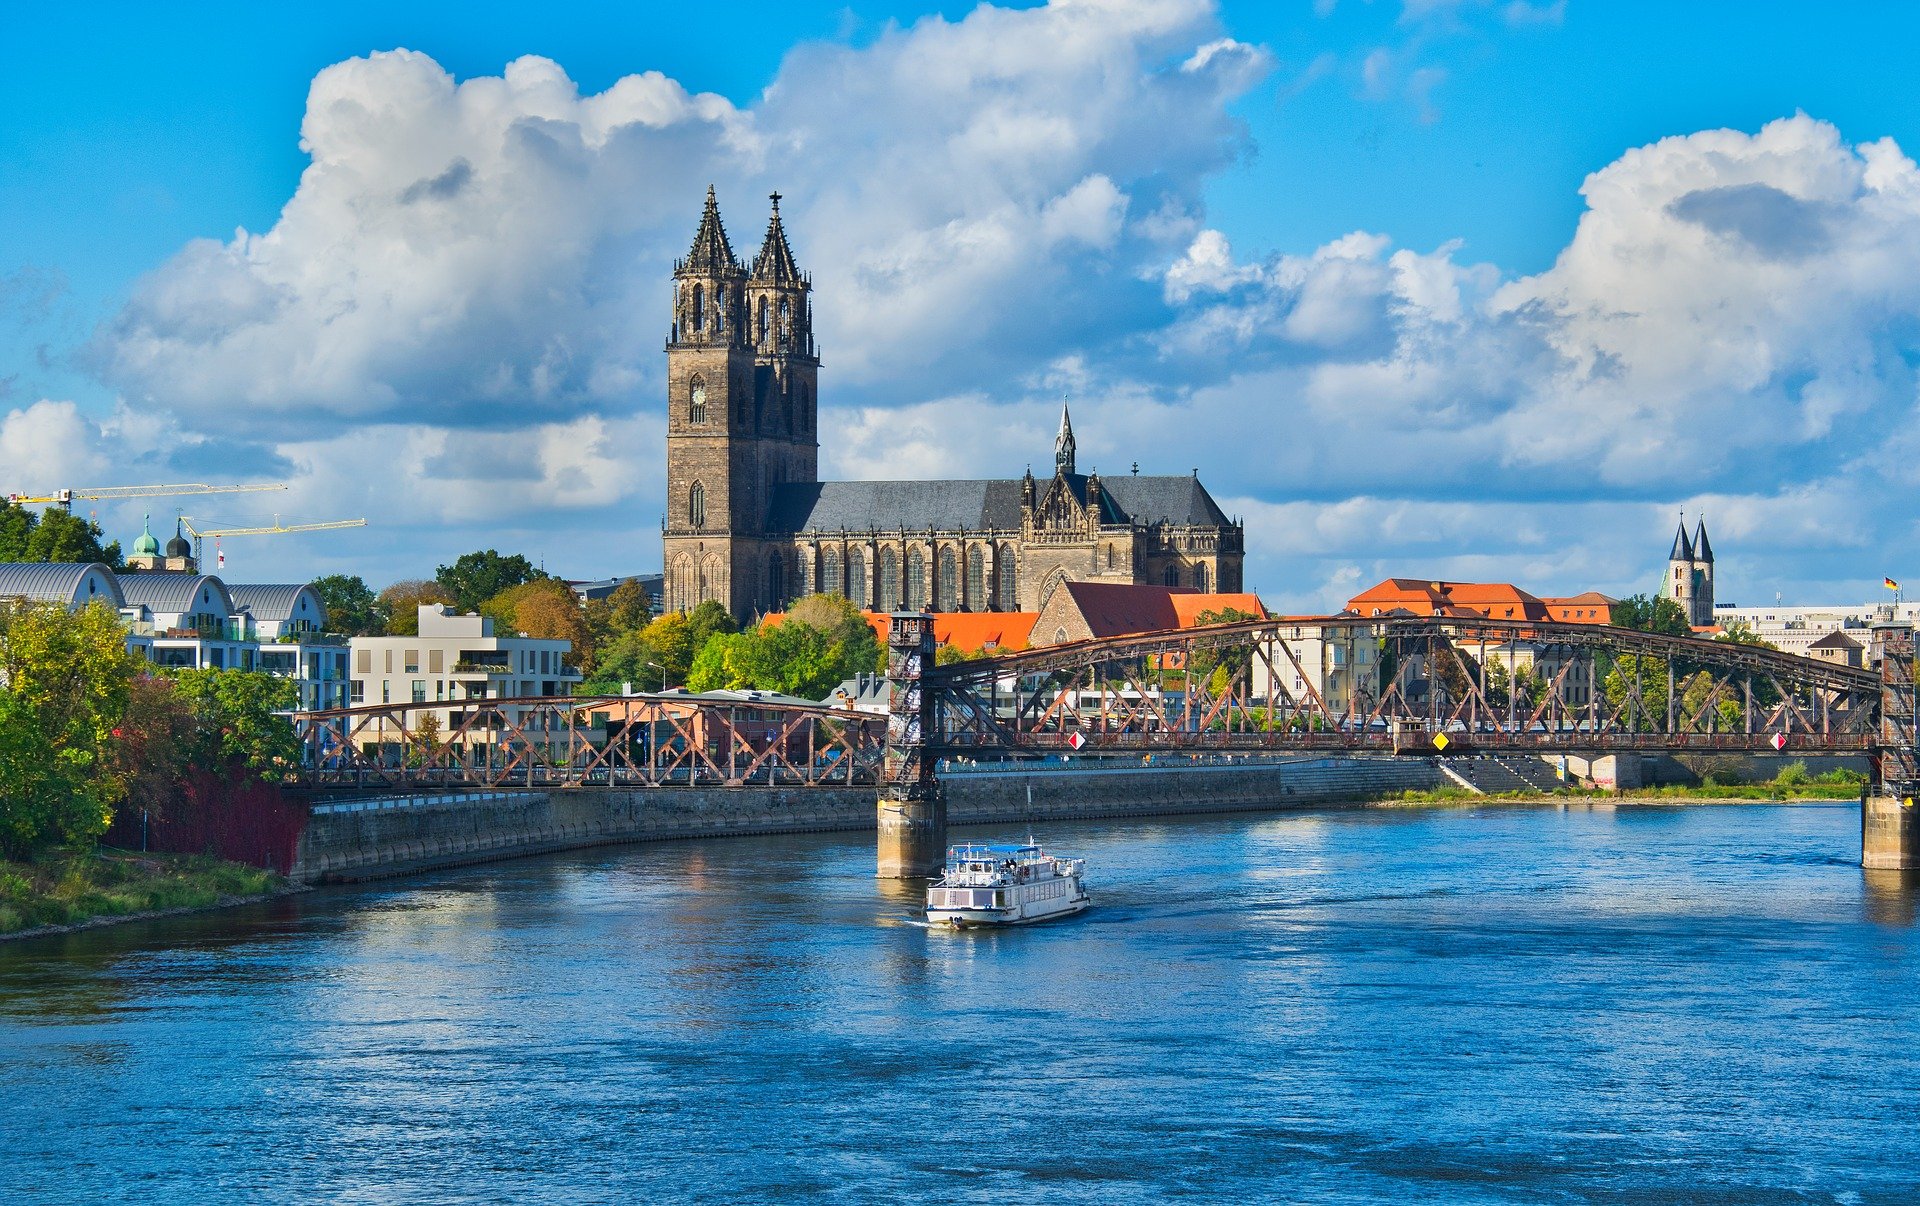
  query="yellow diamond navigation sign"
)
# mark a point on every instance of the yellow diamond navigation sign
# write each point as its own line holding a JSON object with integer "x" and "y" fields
{"x": 1440, "y": 741}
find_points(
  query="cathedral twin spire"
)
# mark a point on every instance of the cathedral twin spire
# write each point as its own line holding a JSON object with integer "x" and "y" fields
{"x": 718, "y": 299}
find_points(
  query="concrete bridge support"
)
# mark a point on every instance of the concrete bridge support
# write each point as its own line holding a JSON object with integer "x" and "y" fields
{"x": 913, "y": 808}
{"x": 1889, "y": 832}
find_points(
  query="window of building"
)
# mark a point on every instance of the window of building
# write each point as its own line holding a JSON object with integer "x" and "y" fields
{"x": 763, "y": 320}
{"x": 889, "y": 599}
{"x": 1007, "y": 580}
{"x": 699, "y": 308}
{"x": 1172, "y": 576}
{"x": 947, "y": 589}
{"x": 857, "y": 578}
{"x": 976, "y": 592}
{"x": 696, "y": 400}
{"x": 832, "y": 581}
{"x": 359, "y": 692}
{"x": 413, "y": 661}
{"x": 776, "y": 584}
{"x": 419, "y": 690}
{"x": 1200, "y": 577}
{"x": 363, "y": 661}
{"x": 697, "y": 506}
{"x": 916, "y": 584}
{"x": 1113, "y": 559}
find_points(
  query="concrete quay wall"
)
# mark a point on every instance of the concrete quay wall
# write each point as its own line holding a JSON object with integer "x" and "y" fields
{"x": 374, "y": 837}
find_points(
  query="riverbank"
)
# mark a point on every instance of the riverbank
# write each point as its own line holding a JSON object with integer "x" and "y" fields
{"x": 68, "y": 891}
{"x": 1814, "y": 792}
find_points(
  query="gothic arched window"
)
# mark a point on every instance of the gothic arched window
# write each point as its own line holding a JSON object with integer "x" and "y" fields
{"x": 697, "y": 506}
{"x": 976, "y": 579}
{"x": 831, "y": 581}
{"x": 696, "y": 399}
{"x": 916, "y": 580}
{"x": 889, "y": 599}
{"x": 1200, "y": 577}
{"x": 1113, "y": 559}
{"x": 699, "y": 309}
{"x": 947, "y": 588}
{"x": 1172, "y": 576}
{"x": 1007, "y": 578}
{"x": 786, "y": 318}
{"x": 776, "y": 586}
{"x": 857, "y": 578}
{"x": 763, "y": 320}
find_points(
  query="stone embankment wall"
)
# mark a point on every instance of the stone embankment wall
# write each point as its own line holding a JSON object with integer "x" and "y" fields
{"x": 367, "y": 838}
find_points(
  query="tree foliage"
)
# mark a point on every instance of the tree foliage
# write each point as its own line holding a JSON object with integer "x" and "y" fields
{"x": 626, "y": 610}
{"x": 54, "y": 534}
{"x": 474, "y": 578}
{"x": 64, "y": 682}
{"x": 399, "y": 605}
{"x": 1651, "y": 613}
{"x": 822, "y": 641}
{"x": 352, "y": 607}
{"x": 546, "y": 609}
{"x": 239, "y": 721}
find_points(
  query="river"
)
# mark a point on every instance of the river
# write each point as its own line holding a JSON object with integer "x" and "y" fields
{"x": 1496, "y": 1004}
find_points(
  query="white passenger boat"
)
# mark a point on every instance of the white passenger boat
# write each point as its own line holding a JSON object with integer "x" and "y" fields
{"x": 1005, "y": 885}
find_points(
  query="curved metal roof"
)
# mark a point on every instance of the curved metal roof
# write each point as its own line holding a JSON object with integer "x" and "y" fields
{"x": 174, "y": 592}
{"x": 67, "y": 582}
{"x": 275, "y": 603}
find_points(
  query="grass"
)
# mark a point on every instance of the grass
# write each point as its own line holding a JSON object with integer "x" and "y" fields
{"x": 1792, "y": 783}
{"x": 64, "y": 887}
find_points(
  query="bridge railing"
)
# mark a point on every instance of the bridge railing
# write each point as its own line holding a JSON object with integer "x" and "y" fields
{"x": 589, "y": 741}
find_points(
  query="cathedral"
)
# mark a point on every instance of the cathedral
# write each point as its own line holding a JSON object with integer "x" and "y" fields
{"x": 750, "y": 524}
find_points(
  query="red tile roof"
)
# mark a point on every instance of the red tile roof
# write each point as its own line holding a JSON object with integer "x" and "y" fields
{"x": 1493, "y": 600}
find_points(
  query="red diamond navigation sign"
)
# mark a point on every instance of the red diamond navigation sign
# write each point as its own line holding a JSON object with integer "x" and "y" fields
{"x": 1778, "y": 741}
{"x": 1076, "y": 741}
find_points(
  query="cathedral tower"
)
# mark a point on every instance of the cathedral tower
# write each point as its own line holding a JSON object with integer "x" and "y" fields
{"x": 742, "y": 376}
{"x": 786, "y": 366}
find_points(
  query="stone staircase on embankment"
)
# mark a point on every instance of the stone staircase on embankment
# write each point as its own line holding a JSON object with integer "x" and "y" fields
{"x": 1489, "y": 774}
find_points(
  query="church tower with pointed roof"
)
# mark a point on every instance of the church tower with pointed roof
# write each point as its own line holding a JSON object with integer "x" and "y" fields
{"x": 1689, "y": 580}
{"x": 742, "y": 376}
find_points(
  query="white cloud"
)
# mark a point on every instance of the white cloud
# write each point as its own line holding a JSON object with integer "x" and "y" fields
{"x": 455, "y": 319}
{"x": 51, "y": 446}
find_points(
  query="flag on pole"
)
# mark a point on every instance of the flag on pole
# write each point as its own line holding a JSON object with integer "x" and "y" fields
{"x": 1890, "y": 584}
{"x": 219, "y": 554}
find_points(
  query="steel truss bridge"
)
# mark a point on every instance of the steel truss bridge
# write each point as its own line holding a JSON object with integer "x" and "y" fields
{"x": 1401, "y": 684}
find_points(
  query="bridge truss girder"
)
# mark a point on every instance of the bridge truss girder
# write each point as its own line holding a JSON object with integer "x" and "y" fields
{"x": 1434, "y": 675}
{"x": 566, "y": 742}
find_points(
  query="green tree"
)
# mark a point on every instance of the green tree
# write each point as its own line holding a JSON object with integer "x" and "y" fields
{"x": 64, "y": 683}
{"x": 52, "y": 535}
{"x": 1651, "y": 613}
{"x": 474, "y": 578}
{"x": 822, "y": 641}
{"x": 241, "y": 721}
{"x": 352, "y": 607}
{"x": 627, "y": 609}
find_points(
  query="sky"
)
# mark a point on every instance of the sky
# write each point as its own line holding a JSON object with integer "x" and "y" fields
{"x": 1469, "y": 289}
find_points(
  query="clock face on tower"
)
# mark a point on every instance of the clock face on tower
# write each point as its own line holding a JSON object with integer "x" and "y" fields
{"x": 699, "y": 395}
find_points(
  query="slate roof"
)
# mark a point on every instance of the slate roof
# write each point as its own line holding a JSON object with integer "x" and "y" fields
{"x": 775, "y": 261}
{"x": 1682, "y": 547}
{"x": 1121, "y": 609}
{"x": 53, "y": 581}
{"x": 275, "y": 603}
{"x": 171, "y": 592}
{"x": 949, "y": 506}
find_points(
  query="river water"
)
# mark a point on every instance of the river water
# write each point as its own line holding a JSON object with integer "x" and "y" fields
{"x": 1502, "y": 1004}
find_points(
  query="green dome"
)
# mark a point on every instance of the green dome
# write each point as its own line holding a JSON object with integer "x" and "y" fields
{"x": 147, "y": 545}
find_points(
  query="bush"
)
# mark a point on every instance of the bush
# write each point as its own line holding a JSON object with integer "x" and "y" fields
{"x": 1794, "y": 774}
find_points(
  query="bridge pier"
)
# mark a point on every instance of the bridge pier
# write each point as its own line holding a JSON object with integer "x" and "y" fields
{"x": 912, "y": 826}
{"x": 1889, "y": 831}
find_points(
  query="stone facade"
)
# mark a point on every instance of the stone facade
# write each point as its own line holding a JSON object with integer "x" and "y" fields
{"x": 750, "y": 524}
{"x": 1689, "y": 579}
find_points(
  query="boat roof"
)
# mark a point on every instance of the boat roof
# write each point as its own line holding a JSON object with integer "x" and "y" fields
{"x": 976, "y": 848}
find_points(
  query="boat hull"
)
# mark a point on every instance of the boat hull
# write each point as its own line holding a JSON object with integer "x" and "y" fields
{"x": 1044, "y": 910}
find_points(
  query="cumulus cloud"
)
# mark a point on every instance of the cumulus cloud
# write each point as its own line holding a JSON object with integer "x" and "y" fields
{"x": 455, "y": 319}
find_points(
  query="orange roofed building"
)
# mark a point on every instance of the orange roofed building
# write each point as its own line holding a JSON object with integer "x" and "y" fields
{"x": 1488, "y": 600}
{"x": 1078, "y": 611}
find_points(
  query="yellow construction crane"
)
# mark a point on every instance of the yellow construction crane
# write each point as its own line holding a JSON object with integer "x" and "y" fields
{"x": 65, "y": 497}
{"x": 274, "y": 529}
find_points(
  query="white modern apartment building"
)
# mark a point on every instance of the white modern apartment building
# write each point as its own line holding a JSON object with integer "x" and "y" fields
{"x": 1798, "y": 629}
{"x": 458, "y": 657}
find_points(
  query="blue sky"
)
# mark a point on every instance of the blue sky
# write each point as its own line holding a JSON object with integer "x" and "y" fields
{"x": 1456, "y": 135}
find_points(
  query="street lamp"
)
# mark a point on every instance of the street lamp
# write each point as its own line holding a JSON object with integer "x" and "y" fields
{"x": 663, "y": 675}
